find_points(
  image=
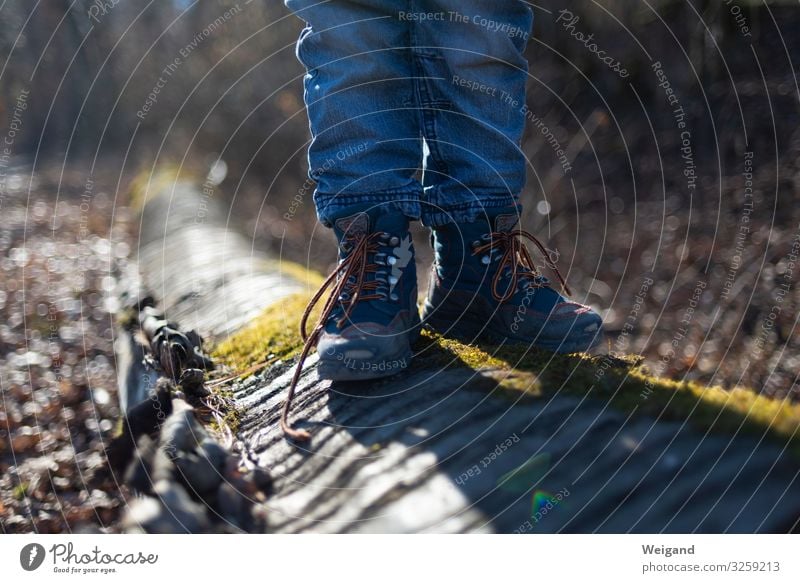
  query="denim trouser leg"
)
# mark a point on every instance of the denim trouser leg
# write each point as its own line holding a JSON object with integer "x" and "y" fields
{"x": 359, "y": 93}
{"x": 383, "y": 75}
{"x": 472, "y": 94}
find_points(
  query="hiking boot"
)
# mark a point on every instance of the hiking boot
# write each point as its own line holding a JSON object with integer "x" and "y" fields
{"x": 373, "y": 320}
{"x": 484, "y": 286}
{"x": 370, "y": 319}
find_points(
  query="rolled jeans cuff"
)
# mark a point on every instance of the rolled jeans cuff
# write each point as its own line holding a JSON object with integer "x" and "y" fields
{"x": 468, "y": 212}
{"x": 404, "y": 200}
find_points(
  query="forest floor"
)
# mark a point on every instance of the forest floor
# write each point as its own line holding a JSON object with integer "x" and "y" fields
{"x": 62, "y": 244}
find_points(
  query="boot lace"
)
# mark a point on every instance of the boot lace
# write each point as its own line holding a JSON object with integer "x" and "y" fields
{"x": 347, "y": 285}
{"x": 515, "y": 260}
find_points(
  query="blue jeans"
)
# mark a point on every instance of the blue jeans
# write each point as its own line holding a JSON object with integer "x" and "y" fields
{"x": 392, "y": 86}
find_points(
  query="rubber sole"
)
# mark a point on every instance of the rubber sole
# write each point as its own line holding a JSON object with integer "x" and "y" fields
{"x": 468, "y": 328}
{"x": 363, "y": 370}
{"x": 336, "y": 369}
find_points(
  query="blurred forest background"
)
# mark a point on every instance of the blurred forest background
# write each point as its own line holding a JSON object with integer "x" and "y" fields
{"x": 636, "y": 205}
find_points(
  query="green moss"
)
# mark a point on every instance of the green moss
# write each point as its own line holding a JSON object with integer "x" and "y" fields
{"x": 274, "y": 335}
{"x": 625, "y": 383}
{"x": 620, "y": 380}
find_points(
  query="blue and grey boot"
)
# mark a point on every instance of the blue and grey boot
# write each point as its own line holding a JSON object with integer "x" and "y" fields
{"x": 373, "y": 320}
{"x": 485, "y": 286}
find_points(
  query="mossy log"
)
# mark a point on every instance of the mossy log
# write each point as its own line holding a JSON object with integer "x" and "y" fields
{"x": 468, "y": 438}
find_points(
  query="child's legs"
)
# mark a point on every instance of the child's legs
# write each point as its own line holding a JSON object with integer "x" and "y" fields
{"x": 359, "y": 92}
{"x": 472, "y": 90}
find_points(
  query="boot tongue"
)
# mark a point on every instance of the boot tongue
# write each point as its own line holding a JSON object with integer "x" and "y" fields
{"x": 362, "y": 222}
{"x": 505, "y": 222}
{"x": 391, "y": 222}
{"x": 353, "y": 226}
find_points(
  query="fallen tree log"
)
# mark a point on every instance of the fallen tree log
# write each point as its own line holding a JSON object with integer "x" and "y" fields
{"x": 468, "y": 439}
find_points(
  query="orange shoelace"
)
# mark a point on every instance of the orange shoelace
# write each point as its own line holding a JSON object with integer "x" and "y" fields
{"x": 345, "y": 291}
{"x": 516, "y": 255}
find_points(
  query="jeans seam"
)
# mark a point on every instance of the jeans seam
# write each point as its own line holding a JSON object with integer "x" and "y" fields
{"x": 426, "y": 102}
{"x": 412, "y": 189}
{"x": 484, "y": 203}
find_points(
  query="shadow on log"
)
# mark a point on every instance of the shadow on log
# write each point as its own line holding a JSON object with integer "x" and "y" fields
{"x": 467, "y": 445}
